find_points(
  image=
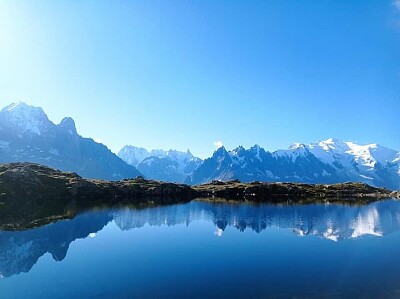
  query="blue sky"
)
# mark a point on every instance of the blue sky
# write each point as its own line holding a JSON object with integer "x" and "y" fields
{"x": 185, "y": 74}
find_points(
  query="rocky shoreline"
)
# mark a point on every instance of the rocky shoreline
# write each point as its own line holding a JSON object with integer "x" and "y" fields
{"x": 32, "y": 195}
{"x": 293, "y": 192}
{"x": 27, "y": 180}
{"x": 34, "y": 181}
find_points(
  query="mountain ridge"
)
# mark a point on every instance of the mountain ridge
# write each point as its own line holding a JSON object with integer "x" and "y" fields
{"x": 328, "y": 161}
{"x": 171, "y": 165}
{"x": 27, "y": 135}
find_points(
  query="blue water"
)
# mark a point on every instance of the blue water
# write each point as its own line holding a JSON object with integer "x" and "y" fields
{"x": 209, "y": 250}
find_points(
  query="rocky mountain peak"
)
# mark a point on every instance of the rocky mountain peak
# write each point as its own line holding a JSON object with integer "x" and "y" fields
{"x": 240, "y": 150}
{"x": 28, "y": 135}
{"x": 68, "y": 124}
{"x": 220, "y": 151}
{"x": 295, "y": 146}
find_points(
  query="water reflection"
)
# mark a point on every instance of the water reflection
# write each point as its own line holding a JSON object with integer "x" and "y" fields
{"x": 20, "y": 250}
{"x": 330, "y": 221}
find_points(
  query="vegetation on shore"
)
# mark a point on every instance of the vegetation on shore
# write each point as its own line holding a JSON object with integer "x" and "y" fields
{"x": 27, "y": 180}
{"x": 32, "y": 195}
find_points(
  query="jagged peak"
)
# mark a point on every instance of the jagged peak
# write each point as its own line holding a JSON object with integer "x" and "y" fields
{"x": 155, "y": 152}
{"x": 238, "y": 150}
{"x": 177, "y": 155}
{"x": 132, "y": 147}
{"x": 173, "y": 151}
{"x": 68, "y": 124}
{"x": 220, "y": 150}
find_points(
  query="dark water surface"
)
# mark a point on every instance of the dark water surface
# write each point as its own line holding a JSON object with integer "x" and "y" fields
{"x": 209, "y": 250}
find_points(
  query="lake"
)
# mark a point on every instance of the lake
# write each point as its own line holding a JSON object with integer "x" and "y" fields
{"x": 205, "y": 249}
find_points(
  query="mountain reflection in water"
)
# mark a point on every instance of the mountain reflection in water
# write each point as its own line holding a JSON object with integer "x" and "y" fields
{"x": 20, "y": 250}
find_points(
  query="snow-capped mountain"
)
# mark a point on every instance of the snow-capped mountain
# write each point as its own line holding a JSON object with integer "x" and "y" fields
{"x": 329, "y": 161}
{"x": 372, "y": 163}
{"x": 134, "y": 155}
{"x": 256, "y": 164}
{"x": 22, "y": 118}
{"x": 171, "y": 166}
{"x": 26, "y": 134}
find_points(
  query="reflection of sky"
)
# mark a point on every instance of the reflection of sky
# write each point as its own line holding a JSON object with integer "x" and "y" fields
{"x": 175, "y": 250}
{"x": 333, "y": 222}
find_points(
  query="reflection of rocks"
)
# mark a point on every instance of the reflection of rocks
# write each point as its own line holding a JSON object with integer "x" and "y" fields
{"x": 24, "y": 213}
{"x": 20, "y": 250}
{"x": 37, "y": 182}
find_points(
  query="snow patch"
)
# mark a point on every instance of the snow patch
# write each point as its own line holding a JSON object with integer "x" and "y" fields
{"x": 54, "y": 151}
{"x": 26, "y": 118}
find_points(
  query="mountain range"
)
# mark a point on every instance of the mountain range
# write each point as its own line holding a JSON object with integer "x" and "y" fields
{"x": 329, "y": 161}
{"x": 26, "y": 134}
{"x": 171, "y": 166}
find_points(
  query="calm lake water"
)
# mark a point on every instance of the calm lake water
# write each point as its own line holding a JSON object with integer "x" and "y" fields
{"x": 209, "y": 250}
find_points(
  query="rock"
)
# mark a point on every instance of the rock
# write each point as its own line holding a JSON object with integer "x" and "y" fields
{"x": 296, "y": 192}
{"x": 32, "y": 195}
{"x": 33, "y": 181}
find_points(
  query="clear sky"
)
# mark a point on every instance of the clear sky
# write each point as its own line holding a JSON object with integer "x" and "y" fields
{"x": 185, "y": 74}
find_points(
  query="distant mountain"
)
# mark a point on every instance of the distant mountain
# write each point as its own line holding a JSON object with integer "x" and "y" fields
{"x": 27, "y": 135}
{"x": 256, "y": 164}
{"x": 171, "y": 166}
{"x": 329, "y": 161}
{"x": 134, "y": 155}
